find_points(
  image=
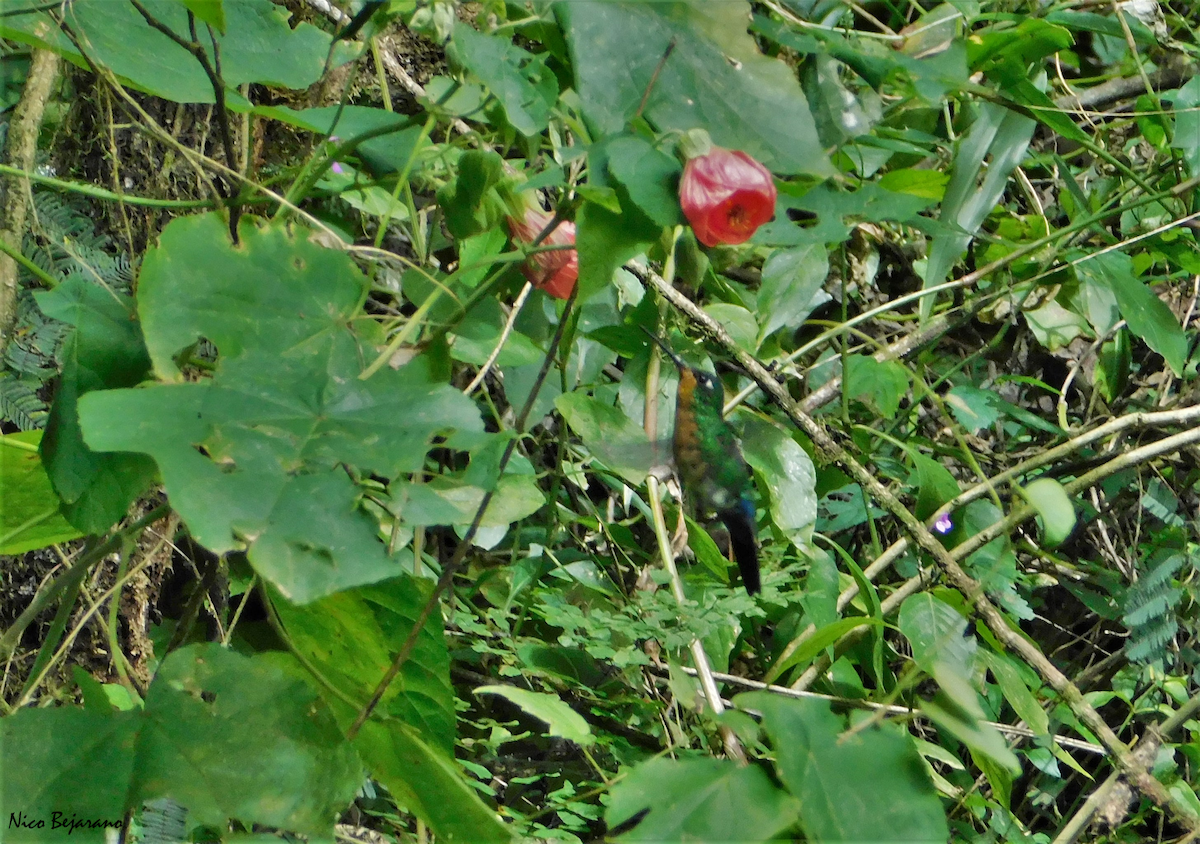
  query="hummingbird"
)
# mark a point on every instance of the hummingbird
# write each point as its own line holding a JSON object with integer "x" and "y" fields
{"x": 710, "y": 462}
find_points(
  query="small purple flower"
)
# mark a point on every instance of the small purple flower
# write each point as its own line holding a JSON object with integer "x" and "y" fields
{"x": 943, "y": 524}
{"x": 335, "y": 167}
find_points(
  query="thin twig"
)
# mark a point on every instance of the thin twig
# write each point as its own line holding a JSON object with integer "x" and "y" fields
{"x": 508, "y": 329}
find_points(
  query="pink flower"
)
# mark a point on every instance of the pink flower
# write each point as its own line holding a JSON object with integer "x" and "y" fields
{"x": 726, "y": 195}
{"x": 555, "y": 272}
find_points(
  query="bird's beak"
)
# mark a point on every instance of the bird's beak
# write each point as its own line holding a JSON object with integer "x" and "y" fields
{"x": 676, "y": 359}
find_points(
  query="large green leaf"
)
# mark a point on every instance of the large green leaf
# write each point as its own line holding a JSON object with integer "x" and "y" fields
{"x": 254, "y": 457}
{"x": 29, "y": 510}
{"x": 353, "y": 636}
{"x": 618, "y": 441}
{"x": 792, "y": 286}
{"x": 700, "y": 800}
{"x": 259, "y": 46}
{"x": 521, "y": 82}
{"x": 226, "y": 735}
{"x": 1147, "y": 315}
{"x": 715, "y": 79}
{"x": 428, "y": 784}
{"x": 870, "y": 785}
{"x": 936, "y": 631}
{"x": 231, "y": 736}
{"x": 878, "y": 384}
{"x": 789, "y": 474}
{"x": 64, "y": 763}
{"x": 105, "y": 351}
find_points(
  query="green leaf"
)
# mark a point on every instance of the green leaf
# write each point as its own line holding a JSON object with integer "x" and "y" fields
{"x": 935, "y": 485}
{"x": 261, "y": 46}
{"x": 352, "y": 637}
{"x": 878, "y": 384}
{"x": 211, "y": 12}
{"x": 521, "y": 82}
{"x": 68, "y": 761}
{"x": 792, "y": 286}
{"x": 224, "y": 734}
{"x": 699, "y": 800}
{"x": 463, "y": 199}
{"x": 228, "y": 736}
{"x": 738, "y": 321}
{"x": 254, "y": 457}
{"x": 935, "y": 630}
{"x": 1000, "y": 137}
{"x": 104, "y": 352}
{"x": 650, "y": 176}
{"x": 819, "y": 641}
{"x": 942, "y": 648}
{"x": 1187, "y": 124}
{"x": 1054, "y": 508}
{"x": 29, "y": 510}
{"x": 427, "y": 783}
{"x": 1018, "y": 695}
{"x": 988, "y": 748}
{"x": 393, "y": 136}
{"x": 789, "y": 474}
{"x": 562, "y": 720}
{"x": 604, "y": 241}
{"x": 715, "y": 79}
{"x": 1147, "y": 315}
{"x": 868, "y": 785}
{"x": 618, "y": 441}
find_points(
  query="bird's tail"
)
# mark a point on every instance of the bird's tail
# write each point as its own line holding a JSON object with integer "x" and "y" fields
{"x": 740, "y": 522}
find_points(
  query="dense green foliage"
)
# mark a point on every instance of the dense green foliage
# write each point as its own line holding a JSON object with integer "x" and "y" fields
{"x": 369, "y": 531}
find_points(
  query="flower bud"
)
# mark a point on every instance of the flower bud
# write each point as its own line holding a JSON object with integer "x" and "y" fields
{"x": 555, "y": 272}
{"x": 726, "y": 195}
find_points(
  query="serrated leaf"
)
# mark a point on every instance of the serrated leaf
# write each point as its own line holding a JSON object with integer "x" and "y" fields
{"x": 878, "y": 384}
{"x": 520, "y": 80}
{"x": 252, "y": 457}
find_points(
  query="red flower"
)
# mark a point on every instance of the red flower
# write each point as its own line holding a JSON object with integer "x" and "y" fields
{"x": 555, "y": 272}
{"x": 726, "y": 195}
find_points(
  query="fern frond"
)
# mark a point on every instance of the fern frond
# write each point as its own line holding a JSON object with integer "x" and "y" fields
{"x": 20, "y": 403}
{"x": 1148, "y": 608}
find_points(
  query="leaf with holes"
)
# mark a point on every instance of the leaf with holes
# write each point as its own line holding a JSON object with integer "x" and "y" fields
{"x": 254, "y": 457}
